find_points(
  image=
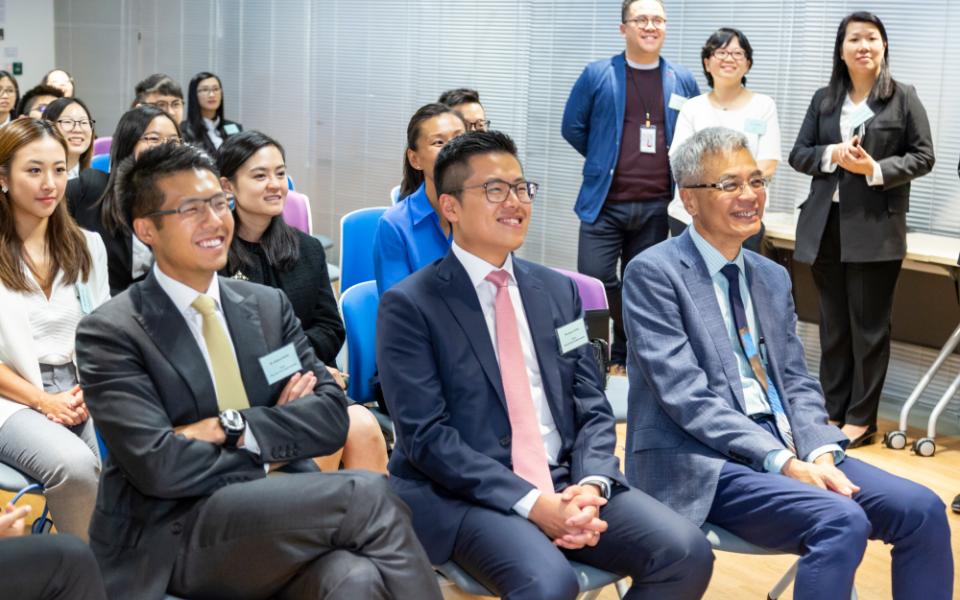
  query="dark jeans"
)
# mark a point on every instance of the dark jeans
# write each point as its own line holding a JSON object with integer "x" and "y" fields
{"x": 856, "y": 304}
{"x": 621, "y": 231}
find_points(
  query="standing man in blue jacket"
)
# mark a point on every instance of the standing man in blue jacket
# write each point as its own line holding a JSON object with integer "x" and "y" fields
{"x": 620, "y": 116}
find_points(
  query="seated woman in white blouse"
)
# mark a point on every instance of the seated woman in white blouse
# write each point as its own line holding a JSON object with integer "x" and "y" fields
{"x": 727, "y": 57}
{"x": 51, "y": 274}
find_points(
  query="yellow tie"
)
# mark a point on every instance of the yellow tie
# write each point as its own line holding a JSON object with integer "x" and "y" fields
{"x": 226, "y": 371}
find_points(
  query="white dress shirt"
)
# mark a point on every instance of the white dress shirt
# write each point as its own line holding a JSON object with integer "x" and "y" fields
{"x": 478, "y": 269}
{"x": 847, "y": 131}
{"x": 212, "y": 132}
{"x": 182, "y": 297}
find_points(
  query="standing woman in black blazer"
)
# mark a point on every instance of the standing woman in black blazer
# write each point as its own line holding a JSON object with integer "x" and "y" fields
{"x": 865, "y": 137}
{"x": 206, "y": 126}
{"x": 266, "y": 250}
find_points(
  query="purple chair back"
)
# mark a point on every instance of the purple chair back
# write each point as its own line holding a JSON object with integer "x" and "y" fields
{"x": 592, "y": 293}
{"x": 101, "y": 145}
{"x": 296, "y": 212}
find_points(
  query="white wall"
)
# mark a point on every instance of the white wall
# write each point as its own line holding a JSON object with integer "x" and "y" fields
{"x": 28, "y": 38}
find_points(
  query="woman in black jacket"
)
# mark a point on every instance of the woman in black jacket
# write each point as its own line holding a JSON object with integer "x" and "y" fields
{"x": 865, "y": 137}
{"x": 268, "y": 251}
{"x": 206, "y": 126}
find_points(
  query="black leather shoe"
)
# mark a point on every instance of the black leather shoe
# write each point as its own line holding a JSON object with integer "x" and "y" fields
{"x": 864, "y": 439}
{"x": 956, "y": 504}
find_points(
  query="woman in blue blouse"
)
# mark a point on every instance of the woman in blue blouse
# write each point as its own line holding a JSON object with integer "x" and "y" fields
{"x": 411, "y": 234}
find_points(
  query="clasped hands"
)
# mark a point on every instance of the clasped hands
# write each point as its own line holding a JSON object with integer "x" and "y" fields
{"x": 570, "y": 518}
{"x": 852, "y": 157}
{"x": 64, "y": 408}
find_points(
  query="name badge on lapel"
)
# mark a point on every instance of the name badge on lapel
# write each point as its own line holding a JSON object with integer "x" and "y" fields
{"x": 676, "y": 101}
{"x": 861, "y": 116}
{"x": 572, "y": 335}
{"x": 755, "y": 126}
{"x": 83, "y": 295}
{"x": 280, "y": 363}
{"x": 230, "y": 129}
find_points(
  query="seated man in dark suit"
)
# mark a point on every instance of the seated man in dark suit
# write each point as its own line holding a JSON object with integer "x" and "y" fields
{"x": 45, "y": 567}
{"x": 505, "y": 439}
{"x": 727, "y": 426}
{"x": 200, "y": 385}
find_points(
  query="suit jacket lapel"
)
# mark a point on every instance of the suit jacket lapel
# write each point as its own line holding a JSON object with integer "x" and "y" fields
{"x": 701, "y": 290}
{"x": 537, "y": 306}
{"x": 456, "y": 289}
{"x": 243, "y": 319}
{"x": 766, "y": 322}
{"x": 164, "y": 324}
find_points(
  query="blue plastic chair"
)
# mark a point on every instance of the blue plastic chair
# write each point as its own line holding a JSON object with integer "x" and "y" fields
{"x": 724, "y": 541}
{"x": 358, "y": 306}
{"x": 395, "y": 194}
{"x": 101, "y": 162}
{"x": 357, "y": 230}
{"x": 290, "y": 183}
{"x": 12, "y": 480}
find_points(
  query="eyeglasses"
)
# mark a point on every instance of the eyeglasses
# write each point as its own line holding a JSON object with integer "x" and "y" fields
{"x": 155, "y": 140}
{"x": 724, "y": 54}
{"x": 212, "y": 91}
{"x": 194, "y": 209}
{"x": 728, "y": 186}
{"x": 481, "y": 125}
{"x": 497, "y": 190}
{"x": 70, "y": 124}
{"x": 168, "y": 106}
{"x": 646, "y": 21}
{"x": 8, "y": 91}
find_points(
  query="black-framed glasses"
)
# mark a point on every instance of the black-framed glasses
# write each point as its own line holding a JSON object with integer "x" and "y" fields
{"x": 70, "y": 124}
{"x": 195, "y": 208}
{"x": 728, "y": 186}
{"x": 724, "y": 54}
{"x": 498, "y": 190}
{"x": 8, "y": 91}
{"x": 647, "y": 20}
{"x": 481, "y": 125}
{"x": 208, "y": 90}
{"x": 155, "y": 140}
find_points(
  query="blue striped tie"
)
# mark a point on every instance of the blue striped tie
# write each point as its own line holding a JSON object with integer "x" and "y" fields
{"x": 732, "y": 273}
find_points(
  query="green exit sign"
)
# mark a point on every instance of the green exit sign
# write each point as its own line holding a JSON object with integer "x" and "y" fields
{"x": 18, "y": 68}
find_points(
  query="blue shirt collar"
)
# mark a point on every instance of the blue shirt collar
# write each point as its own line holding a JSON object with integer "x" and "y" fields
{"x": 715, "y": 261}
{"x": 419, "y": 204}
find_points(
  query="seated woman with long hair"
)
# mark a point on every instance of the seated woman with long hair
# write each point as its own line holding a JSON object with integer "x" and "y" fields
{"x": 76, "y": 126}
{"x": 96, "y": 207}
{"x": 52, "y": 273}
{"x": 205, "y": 125}
{"x": 266, "y": 250}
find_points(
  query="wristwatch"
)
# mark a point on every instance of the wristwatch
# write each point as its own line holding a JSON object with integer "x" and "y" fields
{"x": 233, "y": 425}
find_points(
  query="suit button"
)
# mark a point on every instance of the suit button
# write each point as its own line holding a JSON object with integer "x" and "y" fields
{"x": 177, "y": 528}
{"x": 505, "y": 441}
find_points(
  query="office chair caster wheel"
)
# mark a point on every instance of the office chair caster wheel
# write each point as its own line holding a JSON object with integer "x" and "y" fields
{"x": 895, "y": 440}
{"x": 924, "y": 447}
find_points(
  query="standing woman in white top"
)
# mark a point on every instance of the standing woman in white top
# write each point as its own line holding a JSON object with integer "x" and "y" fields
{"x": 52, "y": 273}
{"x": 727, "y": 57}
{"x": 206, "y": 126}
{"x": 864, "y": 139}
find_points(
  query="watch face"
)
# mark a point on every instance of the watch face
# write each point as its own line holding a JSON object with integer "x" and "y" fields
{"x": 231, "y": 419}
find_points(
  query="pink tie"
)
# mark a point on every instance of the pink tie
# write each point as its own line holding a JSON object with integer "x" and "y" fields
{"x": 527, "y": 451}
